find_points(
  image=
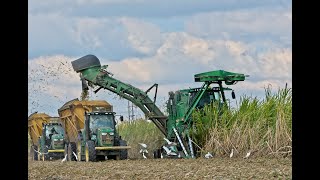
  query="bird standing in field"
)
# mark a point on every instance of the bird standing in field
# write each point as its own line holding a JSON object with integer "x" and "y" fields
{"x": 143, "y": 145}
{"x": 75, "y": 155}
{"x": 231, "y": 154}
{"x": 65, "y": 158}
{"x": 144, "y": 156}
{"x": 143, "y": 150}
{"x": 169, "y": 151}
{"x": 247, "y": 155}
{"x": 169, "y": 142}
{"x": 208, "y": 155}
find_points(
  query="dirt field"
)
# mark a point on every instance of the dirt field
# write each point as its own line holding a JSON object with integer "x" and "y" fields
{"x": 215, "y": 168}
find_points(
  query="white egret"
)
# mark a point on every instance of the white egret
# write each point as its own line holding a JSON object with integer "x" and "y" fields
{"x": 75, "y": 155}
{"x": 168, "y": 151}
{"x": 65, "y": 158}
{"x": 247, "y": 155}
{"x": 143, "y": 150}
{"x": 143, "y": 145}
{"x": 231, "y": 154}
{"x": 144, "y": 156}
{"x": 170, "y": 143}
{"x": 208, "y": 155}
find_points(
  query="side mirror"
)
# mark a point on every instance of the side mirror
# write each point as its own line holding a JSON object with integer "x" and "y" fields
{"x": 233, "y": 95}
{"x": 121, "y": 118}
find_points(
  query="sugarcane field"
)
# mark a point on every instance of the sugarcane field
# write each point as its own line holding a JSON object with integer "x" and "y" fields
{"x": 160, "y": 91}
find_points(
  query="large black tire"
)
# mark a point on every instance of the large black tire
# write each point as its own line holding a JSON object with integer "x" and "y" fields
{"x": 157, "y": 153}
{"x": 66, "y": 151}
{"x": 100, "y": 158}
{"x": 72, "y": 147}
{"x": 45, "y": 154}
{"x": 90, "y": 151}
{"x": 85, "y": 62}
{"x": 34, "y": 153}
{"x": 123, "y": 152}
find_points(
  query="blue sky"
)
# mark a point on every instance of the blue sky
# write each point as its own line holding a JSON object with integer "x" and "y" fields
{"x": 153, "y": 41}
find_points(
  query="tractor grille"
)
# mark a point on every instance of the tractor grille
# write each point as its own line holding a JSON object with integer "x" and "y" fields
{"x": 58, "y": 143}
{"x": 107, "y": 139}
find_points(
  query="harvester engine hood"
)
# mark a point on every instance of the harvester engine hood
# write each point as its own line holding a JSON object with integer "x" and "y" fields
{"x": 57, "y": 141}
{"x": 105, "y": 136}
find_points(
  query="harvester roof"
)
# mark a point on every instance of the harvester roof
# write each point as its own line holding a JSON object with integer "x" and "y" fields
{"x": 219, "y": 75}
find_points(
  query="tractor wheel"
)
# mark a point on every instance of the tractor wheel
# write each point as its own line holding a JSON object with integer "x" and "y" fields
{"x": 72, "y": 148}
{"x": 31, "y": 153}
{"x": 114, "y": 157}
{"x": 34, "y": 153}
{"x": 90, "y": 151}
{"x": 100, "y": 158}
{"x": 45, "y": 154}
{"x": 157, "y": 154}
{"x": 66, "y": 151}
{"x": 39, "y": 156}
{"x": 123, "y": 152}
{"x": 39, "y": 150}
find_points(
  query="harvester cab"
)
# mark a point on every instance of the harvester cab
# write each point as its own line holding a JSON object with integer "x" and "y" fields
{"x": 182, "y": 103}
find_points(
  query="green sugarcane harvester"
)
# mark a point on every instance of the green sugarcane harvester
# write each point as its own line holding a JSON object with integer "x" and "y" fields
{"x": 180, "y": 105}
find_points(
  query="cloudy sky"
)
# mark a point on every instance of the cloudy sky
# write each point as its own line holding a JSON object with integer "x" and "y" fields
{"x": 156, "y": 41}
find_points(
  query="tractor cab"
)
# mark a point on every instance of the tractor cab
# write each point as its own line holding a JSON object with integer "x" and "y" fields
{"x": 54, "y": 134}
{"x": 101, "y": 127}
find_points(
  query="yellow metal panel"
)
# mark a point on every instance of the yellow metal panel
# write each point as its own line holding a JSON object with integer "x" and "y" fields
{"x": 35, "y": 121}
{"x": 113, "y": 148}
